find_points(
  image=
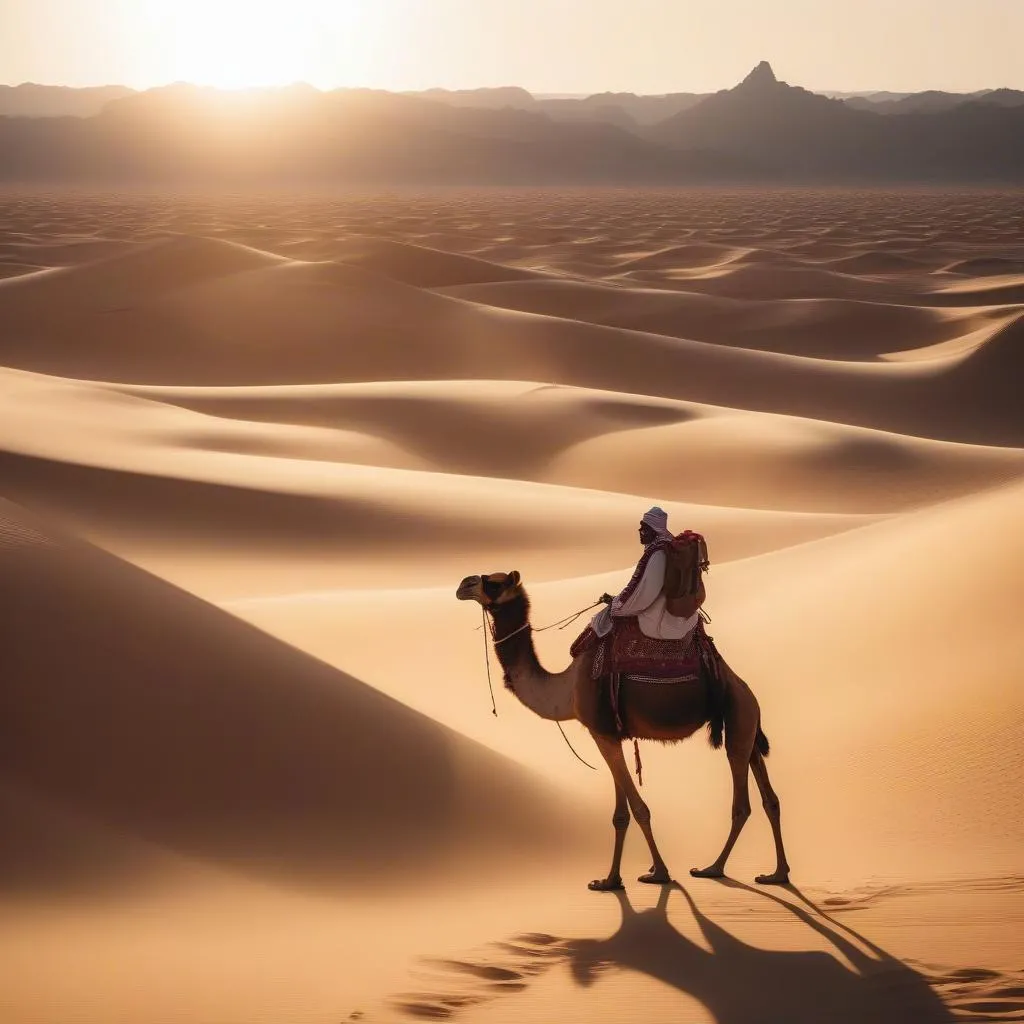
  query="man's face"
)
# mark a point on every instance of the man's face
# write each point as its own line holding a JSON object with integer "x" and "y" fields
{"x": 646, "y": 534}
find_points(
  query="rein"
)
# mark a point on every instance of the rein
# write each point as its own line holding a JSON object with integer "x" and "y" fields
{"x": 560, "y": 624}
{"x": 487, "y": 662}
{"x": 488, "y": 627}
{"x": 573, "y": 749}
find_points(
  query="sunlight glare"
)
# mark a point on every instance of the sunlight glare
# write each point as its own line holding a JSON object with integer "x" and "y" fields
{"x": 236, "y": 44}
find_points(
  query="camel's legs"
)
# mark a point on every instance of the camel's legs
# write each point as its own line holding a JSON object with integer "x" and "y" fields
{"x": 620, "y": 822}
{"x": 611, "y": 751}
{"x": 773, "y": 809}
{"x": 741, "y": 724}
{"x": 740, "y": 813}
{"x": 739, "y": 765}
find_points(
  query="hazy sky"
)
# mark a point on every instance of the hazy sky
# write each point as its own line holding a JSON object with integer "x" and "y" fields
{"x": 556, "y": 46}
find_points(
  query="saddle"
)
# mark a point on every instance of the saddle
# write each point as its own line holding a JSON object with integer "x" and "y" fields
{"x": 627, "y": 651}
{"x": 626, "y": 655}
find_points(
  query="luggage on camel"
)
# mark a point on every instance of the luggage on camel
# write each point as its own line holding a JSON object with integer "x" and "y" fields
{"x": 687, "y": 561}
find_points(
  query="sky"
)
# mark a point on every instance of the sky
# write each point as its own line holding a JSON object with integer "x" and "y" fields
{"x": 546, "y": 46}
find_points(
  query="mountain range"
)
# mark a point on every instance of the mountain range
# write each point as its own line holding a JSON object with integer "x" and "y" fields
{"x": 30, "y": 100}
{"x": 761, "y": 130}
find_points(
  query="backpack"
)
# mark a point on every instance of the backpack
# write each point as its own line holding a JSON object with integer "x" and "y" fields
{"x": 687, "y": 561}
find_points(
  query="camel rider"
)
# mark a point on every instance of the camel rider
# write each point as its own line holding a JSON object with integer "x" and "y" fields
{"x": 642, "y": 596}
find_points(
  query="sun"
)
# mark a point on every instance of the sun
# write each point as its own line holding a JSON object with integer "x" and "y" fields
{"x": 236, "y": 44}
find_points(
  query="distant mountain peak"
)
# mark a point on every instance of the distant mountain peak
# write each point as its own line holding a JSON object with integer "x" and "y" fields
{"x": 761, "y": 76}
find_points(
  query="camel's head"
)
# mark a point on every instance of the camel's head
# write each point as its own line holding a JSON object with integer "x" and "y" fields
{"x": 491, "y": 590}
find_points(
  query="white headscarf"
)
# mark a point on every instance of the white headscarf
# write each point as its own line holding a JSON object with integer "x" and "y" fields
{"x": 657, "y": 519}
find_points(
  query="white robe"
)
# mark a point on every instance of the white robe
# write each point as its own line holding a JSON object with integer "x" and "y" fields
{"x": 647, "y": 603}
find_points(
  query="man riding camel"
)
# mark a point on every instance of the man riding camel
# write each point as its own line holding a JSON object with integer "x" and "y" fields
{"x": 644, "y": 597}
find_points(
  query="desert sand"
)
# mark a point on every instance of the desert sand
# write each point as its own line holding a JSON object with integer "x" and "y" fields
{"x": 249, "y": 446}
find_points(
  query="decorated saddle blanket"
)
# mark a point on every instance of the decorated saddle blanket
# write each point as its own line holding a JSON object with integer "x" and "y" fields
{"x": 627, "y": 651}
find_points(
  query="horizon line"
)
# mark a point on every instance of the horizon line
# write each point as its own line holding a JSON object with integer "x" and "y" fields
{"x": 536, "y": 94}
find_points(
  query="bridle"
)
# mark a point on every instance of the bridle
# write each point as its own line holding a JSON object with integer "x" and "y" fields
{"x": 488, "y": 627}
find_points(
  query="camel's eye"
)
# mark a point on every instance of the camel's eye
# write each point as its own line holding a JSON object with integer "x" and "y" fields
{"x": 492, "y": 588}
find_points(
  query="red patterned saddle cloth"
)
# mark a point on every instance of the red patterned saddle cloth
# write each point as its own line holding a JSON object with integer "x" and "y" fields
{"x": 627, "y": 651}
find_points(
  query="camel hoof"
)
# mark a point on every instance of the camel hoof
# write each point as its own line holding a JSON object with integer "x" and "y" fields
{"x": 655, "y": 878}
{"x": 779, "y": 878}
{"x": 605, "y": 885}
{"x": 711, "y": 872}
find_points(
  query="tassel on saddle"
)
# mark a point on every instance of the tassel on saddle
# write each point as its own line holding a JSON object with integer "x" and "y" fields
{"x": 615, "y": 684}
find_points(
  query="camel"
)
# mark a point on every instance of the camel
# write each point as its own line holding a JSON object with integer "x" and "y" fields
{"x": 653, "y": 711}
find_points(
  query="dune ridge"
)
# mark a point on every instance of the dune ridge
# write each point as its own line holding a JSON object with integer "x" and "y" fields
{"x": 328, "y": 322}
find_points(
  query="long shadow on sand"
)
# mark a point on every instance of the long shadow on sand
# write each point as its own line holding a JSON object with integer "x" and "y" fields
{"x": 737, "y": 983}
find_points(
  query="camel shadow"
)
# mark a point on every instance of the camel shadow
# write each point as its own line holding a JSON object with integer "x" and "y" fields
{"x": 737, "y": 983}
{"x": 743, "y": 984}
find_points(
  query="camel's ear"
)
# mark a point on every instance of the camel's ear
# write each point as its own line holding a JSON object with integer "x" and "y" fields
{"x": 514, "y": 578}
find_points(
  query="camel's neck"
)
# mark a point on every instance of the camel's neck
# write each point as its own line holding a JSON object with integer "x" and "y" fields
{"x": 547, "y": 695}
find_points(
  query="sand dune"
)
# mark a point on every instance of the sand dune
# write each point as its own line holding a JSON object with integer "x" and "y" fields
{"x": 875, "y": 263}
{"x": 769, "y": 281}
{"x": 153, "y": 268}
{"x": 27, "y": 253}
{"x": 140, "y": 706}
{"x": 329, "y": 322}
{"x": 700, "y": 256}
{"x": 422, "y": 266}
{"x": 54, "y": 851}
{"x": 892, "y": 599}
{"x": 206, "y": 299}
{"x": 1007, "y": 289}
{"x": 851, "y": 644}
{"x": 985, "y": 266}
{"x": 11, "y": 269}
{"x": 725, "y": 458}
{"x": 825, "y": 328}
{"x": 850, "y": 647}
{"x": 165, "y": 486}
{"x": 998, "y": 362}
{"x": 683, "y": 451}
{"x": 319, "y": 413}
{"x": 306, "y": 470}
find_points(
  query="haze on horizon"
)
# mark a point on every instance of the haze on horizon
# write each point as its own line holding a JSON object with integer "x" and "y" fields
{"x": 569, "y": 46}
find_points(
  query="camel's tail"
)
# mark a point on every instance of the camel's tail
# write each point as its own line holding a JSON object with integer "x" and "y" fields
{"x": 716, "y": 726}
{"x": 716, "y": 716}
{"x": 717, "y": 693}
{"x": 761, "y": 744}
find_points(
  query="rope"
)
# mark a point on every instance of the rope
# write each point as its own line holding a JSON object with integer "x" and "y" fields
{"x": 561, "y": 624}
{"x": 487, "y": 662}
{"x": 613, "y": 692}
{"x": 573, "y": 749}
{"x": 515, "y": 632}
{"x": 565, "y": 623}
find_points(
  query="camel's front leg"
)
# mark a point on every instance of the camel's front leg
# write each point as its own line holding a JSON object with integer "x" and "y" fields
{"x": 611, "y": 751}
{"x": 620, "y": 822}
